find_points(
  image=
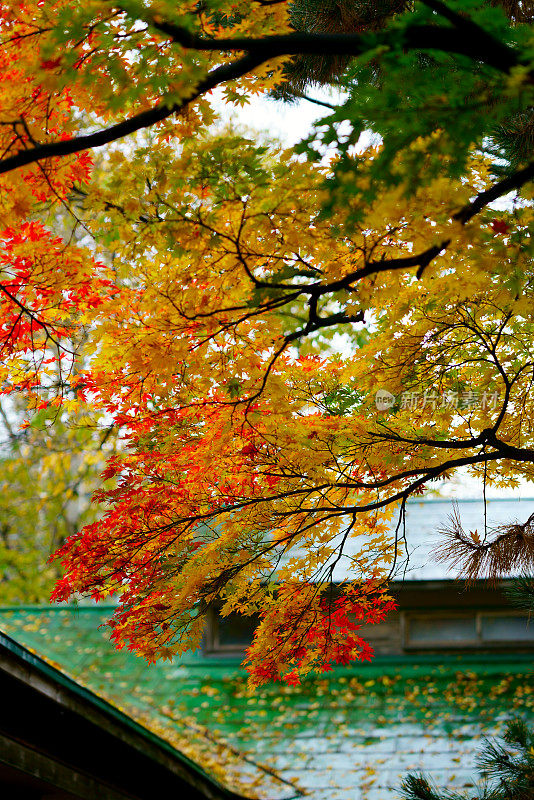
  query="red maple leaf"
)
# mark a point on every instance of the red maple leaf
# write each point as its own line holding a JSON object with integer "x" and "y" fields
{"x": 500, "y": 226}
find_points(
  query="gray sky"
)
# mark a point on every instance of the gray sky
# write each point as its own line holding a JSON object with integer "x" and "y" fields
{"x": 288, "y": 122}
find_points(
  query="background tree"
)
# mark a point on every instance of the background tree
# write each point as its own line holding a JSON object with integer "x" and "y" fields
{"x": 53, "y": 451}
{"x": 49, "y": 471}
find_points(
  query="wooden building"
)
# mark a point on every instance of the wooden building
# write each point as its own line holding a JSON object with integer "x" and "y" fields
{"x": 434, "y": 617}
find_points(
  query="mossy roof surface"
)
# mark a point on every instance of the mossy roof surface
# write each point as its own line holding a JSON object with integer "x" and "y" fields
{"x": 349, "y": 734}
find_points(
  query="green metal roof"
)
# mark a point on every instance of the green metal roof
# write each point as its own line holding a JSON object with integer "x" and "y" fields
{"x": 351, "y": 733}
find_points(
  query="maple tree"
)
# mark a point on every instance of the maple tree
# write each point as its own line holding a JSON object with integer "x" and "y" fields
{"x": 199, "y": 306}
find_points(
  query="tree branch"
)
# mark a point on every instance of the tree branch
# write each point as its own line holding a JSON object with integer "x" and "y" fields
{"x": 482, "y": 47}
{"x": 515, "y": 181}
{"x": 145, "y": 119}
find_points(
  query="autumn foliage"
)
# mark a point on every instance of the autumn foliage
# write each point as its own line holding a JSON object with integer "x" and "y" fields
{"x": 303, "y": 631}
{"x": 193, "y": 285}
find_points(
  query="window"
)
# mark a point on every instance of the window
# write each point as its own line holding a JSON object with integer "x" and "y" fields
{"x": 504, "y": 628}
{"x": 229, "y": 635}
{"x": 454, "y": 630}
{"x": 481, "y": 629}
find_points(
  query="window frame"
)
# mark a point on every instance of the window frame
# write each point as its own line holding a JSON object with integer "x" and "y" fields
{"x": 478, "y": 643}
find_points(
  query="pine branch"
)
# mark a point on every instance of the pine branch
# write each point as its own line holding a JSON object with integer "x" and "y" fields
{"x": 521, "y": 593}
{"x": 417, "y": 787}
{"x": 506, "y": 548}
